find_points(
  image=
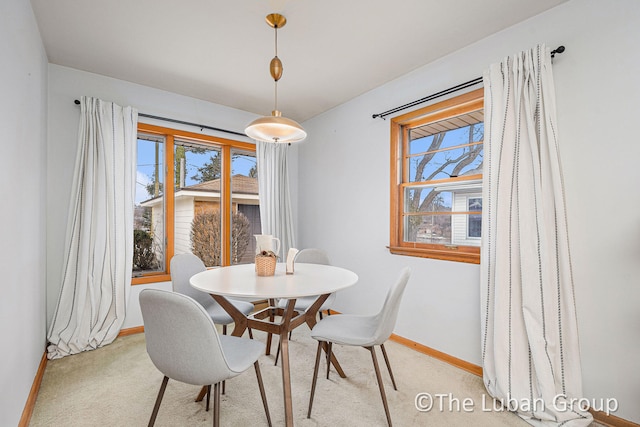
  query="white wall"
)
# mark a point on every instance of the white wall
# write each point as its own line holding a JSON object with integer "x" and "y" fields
{"x": 344, "y": 204}
{"x": 23, "y": 68}
{"x": 66, "y": 85}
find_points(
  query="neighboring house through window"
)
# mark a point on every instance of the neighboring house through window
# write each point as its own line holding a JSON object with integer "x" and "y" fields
{"x": 194, "y": 194}
{"x": 436, "y": 180}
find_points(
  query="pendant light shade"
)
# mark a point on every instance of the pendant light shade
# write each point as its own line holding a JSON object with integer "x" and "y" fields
{"x": 275, "y": 128}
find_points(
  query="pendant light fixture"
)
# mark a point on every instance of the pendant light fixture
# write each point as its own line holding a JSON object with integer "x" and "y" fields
{"x": 275, "y": 128}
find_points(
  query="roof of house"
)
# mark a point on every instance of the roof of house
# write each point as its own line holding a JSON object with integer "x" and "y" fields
{"x": 239, "y": 184}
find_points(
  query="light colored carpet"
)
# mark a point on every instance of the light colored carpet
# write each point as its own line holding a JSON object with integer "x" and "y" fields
{"x": 117, "y": 385}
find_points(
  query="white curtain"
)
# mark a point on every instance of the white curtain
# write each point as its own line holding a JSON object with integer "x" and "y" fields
{"x": 530, "y": 349}
{"x": 275, "y": 204}
{"x": 99, "y": 243}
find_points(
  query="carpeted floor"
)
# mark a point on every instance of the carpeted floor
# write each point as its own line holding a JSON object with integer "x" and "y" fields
{"x": 117, "y": 385}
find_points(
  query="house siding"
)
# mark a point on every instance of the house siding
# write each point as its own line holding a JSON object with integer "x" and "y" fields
{"x": 459, "y": 223}
{"x": 183, "y": 211}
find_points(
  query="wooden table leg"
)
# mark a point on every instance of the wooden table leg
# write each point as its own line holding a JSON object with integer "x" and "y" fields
{"x": 286, "y": 372}
{"x": 239, "y": 319}
{"x": 272, "y": 318}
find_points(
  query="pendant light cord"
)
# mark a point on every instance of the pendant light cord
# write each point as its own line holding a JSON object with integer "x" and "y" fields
{"x": 275, "y": 107}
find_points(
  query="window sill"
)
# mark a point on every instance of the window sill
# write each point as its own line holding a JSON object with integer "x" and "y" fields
{"x": 155, "y": 278}
{"x": 470, "y": 255}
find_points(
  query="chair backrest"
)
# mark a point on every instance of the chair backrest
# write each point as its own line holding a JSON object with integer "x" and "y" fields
{"x": 312, "y": 256}
{"x": 181, "y": 338}
{"x": 388, "y": 315}
{"x": 184, "y": 266}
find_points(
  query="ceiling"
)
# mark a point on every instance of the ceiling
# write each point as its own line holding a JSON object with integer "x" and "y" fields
{"x": 219, "y": 51}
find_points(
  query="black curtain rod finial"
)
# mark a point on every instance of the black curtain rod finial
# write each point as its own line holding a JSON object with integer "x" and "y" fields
{"x": 559, "y": 49}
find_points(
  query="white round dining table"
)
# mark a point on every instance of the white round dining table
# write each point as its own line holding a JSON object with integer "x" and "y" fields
{"x": 242, "y": 281}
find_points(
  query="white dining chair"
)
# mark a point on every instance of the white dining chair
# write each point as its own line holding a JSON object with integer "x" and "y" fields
{"x": 184, "y": 345}
{"x": 366, "y": 331}
{"x": 183, "y": 266}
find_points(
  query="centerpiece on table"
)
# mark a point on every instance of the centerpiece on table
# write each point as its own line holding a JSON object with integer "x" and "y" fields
{"x": 266, "y": 263}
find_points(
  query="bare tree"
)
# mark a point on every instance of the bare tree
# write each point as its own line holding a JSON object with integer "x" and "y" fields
{"x": 468, "y": 156}
{"x": 206, "y": 239}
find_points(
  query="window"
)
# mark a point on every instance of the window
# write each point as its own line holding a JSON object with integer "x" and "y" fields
{"x": 194, "y": 194}
{"x": 474, "y": 221}
{"x": 436, "y": 180}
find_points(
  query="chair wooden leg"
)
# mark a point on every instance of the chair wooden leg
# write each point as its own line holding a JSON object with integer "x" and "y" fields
{"x": 224, "y": 384}
{"x": 208, "y": 396}
{"x": 380, "y": 385}
{"x": 268, "y": 345}
{"x": 250, "y": 333}
{"x": 386, "y": 360}
{"x": 154, "y": 414}
{"x": 262, "y": 393}
{"x": 315, "y": 378}
{"x": 330, "y": 344}
{"x": 277, "y": 355}
{"x": 216, "y": 405}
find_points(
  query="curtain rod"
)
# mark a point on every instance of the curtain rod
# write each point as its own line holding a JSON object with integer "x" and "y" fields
{"x": 77, "y": 102}
{"x": 452, "y": 89}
